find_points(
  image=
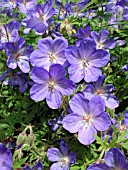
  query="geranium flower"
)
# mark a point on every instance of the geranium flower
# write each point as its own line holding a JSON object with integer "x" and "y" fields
{"x": 114, "y": 160}
{"x": 40, "y": 17}
{"x": 50, "y": 85}
{"x": 87, "y": 118}
{"x": 102, "y": 41}
{"x": 18, "y": 56}
{"x": 85, "y": 61}
{"x": 49, "y": 52}
{"x": 62, "y": 158}
{"x": 96, "y": 89}
{"x": 9, "y": 32}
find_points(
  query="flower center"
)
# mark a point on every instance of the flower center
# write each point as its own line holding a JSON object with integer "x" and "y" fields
{"x": 85, "y": 63}
{"x": 100, "y": 45}
{"x": 65, "y": 160}
{"x": 87, "y": 118}
{"x": 122, "y": 128}
{"x": 100, "y": 91}
{"x": 51, "y": 57}
{"x": 51, "y": 85}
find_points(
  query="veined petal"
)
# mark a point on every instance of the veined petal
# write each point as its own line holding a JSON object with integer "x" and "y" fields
{"x": 92, "y": 74}
{"x": 99, "y": 167}
{"x": 79, "y": 105}
{"x": 86, "y": 134}
{"x": 96, "y": 105}
{"x": 99, "y": 58}
{"x": 101, "y": 122}
{"x": 57, "y": 72}
{"x": 66, "y": 86}
{"x": 54, "y": 99}
{"x": 110, "y": 100}
{"x": 24, "y": 66}
{"x": 72, "y": 122}
{"x": 39, "y": 75}
{"x": 38, "y": 92}
{"x": 76, "y": 73}
{"x": 54, "y": 154}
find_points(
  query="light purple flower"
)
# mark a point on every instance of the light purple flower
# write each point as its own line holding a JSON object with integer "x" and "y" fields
{"x": 62, "y": 158}
{"x": 87, "y": 118}
{"x": 18, "y": 56}
{"x": 96, "y": 89}
{"x": 40, "y": 17}
{"x": 25, "y": 5}
{"x": 90, "y": 14}
{"x": 102, "y": 41}
{"x": 50, "y": 85}
{"x": 9, "y": 33}
{"x": 5, "y": 158}
{"x": 114, "y": 159}
{"x": 85, "y": 61}
{"x": 49, "y": 52}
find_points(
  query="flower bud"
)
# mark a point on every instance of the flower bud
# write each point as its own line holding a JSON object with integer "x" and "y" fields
{"x": 21, "y": 139}
{"x": 31, "y": 139}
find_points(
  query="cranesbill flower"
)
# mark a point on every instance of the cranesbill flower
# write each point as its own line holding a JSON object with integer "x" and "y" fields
{"x": 114, "y": 160}
{"x": 49, "y": 52}
{"x": 50, "y": 85}
{"x": 96, "y": 89}
{"x": 85, "y": 61}
{"x": 40, "y": 17}
{"x": 9, "y": 32}
{"x": 5, "y": 158}
{"x": 18, "y": 56}
{"x": 37, "y": 166}
{"x": 25, "y": 5}
{"x": 87, "y": 118}
{"x": 102, "y": 41}
{"x": 62, "y": 158}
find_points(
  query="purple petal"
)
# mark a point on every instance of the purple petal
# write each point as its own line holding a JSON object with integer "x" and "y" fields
{"x": 95, "y": 36}
{"x": 101, "y": 122}
{"x": 99, "y": 58}
{"x": 64, "y": 148}
{"x": 72, "y": 122}
{"x": 72, "y": 157}
{"x": 109, "y": 44}
{"x": 24, "y": 66}
{"x": 96, "y": 105}
{"x": 126, "y": 117}
{"x": 92, "y": 74}
{"x": 72, "y": 55}
{"x": 76, "y": 73}
{"x": 38, "y": 92}
{"x": 66, "y": 86}
{"x": 54, "y": 99}
{"x": 86, "y": 134}
{"x": 99, "y": 167}
{"x": 54, "y": 154}
{"x": 57, "y": 72}
{"x": 110, "y": 100}
{"x": 58, "y": 166}
{"x": 39, "y": 75}
{"x": 103, "y": 34}
{"x": 115, "y": 159}
{"x": 89, "y": 91}
{"x": 79, "y": 105}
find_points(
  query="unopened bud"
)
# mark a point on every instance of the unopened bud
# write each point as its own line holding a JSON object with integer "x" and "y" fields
{"x": 31, "y": 139}
{"x": 21, "y": 139}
